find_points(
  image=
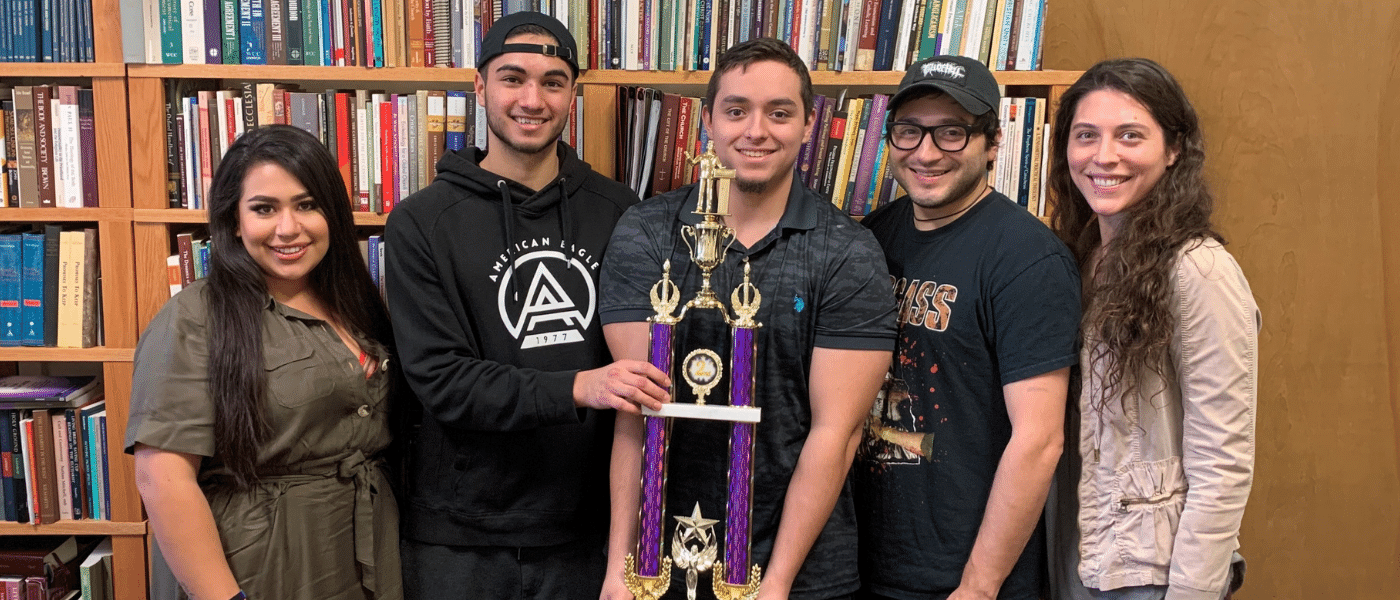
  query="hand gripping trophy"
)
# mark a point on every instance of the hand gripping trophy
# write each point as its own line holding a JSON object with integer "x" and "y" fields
{"x": 693, "y": 546}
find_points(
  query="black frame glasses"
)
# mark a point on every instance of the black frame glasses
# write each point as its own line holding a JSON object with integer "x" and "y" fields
{"x": 931, "y": 132}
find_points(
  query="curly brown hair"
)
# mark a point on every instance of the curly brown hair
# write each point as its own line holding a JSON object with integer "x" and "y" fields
{"x": 1128, "y": 317}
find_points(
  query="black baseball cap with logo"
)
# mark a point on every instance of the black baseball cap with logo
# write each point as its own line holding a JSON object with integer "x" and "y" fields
{"x": 964, "y": 79}
{"x": 494, "y": 44}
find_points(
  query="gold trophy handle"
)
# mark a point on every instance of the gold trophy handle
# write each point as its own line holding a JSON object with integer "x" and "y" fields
{"x": 729, "y": 591}
{"x": 646, "y": 588}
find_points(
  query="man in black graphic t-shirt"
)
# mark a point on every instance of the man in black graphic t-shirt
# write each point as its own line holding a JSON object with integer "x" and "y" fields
{"x": 952, "y": 474}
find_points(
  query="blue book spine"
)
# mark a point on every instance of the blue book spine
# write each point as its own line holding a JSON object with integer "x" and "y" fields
{"x": 7, "y": 467}
{"x": 106, "y": 478}
{"x": 9, "y": 33}
{"x": 703, "y": 30}
{"x": 45, "y": 18}
{"x": 74, "y": 457}
{"x": 252, "y": 27}
{"x": 377, "y": 26}
{"x": 327, "y": 27}
{"x": 455, "y": 140}
{"x": 374, "y": 261}
{"x": 94, "y": 474}
{"x": 10, "y": 316}
{"x": 1035, "y": 46}
{"x": 29, "y": 28}
{"x": 32, "y": 290}
{"x": 1023, "y": 188}
{"x": 89, "y": 54}
{"x": 884, "y": 42}
{"x": 17, "y": 466}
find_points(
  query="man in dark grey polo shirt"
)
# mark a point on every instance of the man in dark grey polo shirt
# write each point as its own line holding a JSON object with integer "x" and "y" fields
{"x": 826, "y": 340}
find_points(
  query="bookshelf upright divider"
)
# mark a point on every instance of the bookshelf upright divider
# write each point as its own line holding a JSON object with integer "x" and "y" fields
{"x": 107, "y": 78}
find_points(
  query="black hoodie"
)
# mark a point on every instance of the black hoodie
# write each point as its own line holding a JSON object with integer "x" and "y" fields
{"x": 492, "y": 288}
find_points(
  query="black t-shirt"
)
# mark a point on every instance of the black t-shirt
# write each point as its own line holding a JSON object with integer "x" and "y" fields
{"x": 990, "y": 299}
{"x": 824, "y": 283}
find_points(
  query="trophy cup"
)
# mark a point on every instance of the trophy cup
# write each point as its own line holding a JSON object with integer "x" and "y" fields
{"x": 693, "y": 548}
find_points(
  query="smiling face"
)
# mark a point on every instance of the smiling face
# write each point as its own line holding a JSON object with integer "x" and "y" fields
{"x": 526, "y": 97}
{"x": 758, "y": 125}
{"x": 1116, "y": 152}
{"x": 940, "y": 182}
{"x": 281, "y": 228}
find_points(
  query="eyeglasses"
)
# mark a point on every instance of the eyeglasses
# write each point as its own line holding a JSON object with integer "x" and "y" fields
{"x": 948, "y": 138}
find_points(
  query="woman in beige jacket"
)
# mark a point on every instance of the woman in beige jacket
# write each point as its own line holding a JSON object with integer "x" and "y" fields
{"x": 1150, "y": 505}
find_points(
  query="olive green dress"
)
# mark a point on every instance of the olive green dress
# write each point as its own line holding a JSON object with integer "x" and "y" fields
{"x": 322, "y": 523}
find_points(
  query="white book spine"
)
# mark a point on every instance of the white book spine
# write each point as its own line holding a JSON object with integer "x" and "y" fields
{"x": 173, "y": 262}
{"x": 72, "y": 168}
{"x": 972, "y": 30}
{"x": 62, "y": 468}
{"x": 848, "y": 58}
{"x": 901, "y": 43}
{"x": 1030, "y": 20}
{"x": 361, "y": 146}
{"x": 192, "y": 31}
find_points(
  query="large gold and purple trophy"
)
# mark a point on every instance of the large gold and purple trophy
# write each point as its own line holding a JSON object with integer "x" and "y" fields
{"x": 693, "y": 547}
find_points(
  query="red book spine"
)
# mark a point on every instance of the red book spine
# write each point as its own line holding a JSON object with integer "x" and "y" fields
{"x": 429, "y": 38}
{"x": 386, "y": 153}
{"x": 343, "y": 145}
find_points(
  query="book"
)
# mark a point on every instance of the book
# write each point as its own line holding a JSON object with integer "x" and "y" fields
{"x": 46, "y": 391}
{"x": 11, "y": 315}
{"x": 32, "y": 289}
{"x": 95, "y": 573}
{"x": 7, "y": 468}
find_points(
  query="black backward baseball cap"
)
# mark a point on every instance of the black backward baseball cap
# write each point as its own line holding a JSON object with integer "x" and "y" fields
{"x": 494, "y": 44}
{"x": 966, "y": 80}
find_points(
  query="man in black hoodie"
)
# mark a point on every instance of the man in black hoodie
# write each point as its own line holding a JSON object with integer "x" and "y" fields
{"x": 493, "y": 290}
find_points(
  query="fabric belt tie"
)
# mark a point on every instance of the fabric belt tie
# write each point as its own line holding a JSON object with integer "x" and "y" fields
{"x": 358, "y": 468}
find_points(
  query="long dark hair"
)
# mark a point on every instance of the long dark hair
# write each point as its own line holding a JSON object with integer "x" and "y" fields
{"x": 1128, "y": 317}
{"x": 237, "y": 289}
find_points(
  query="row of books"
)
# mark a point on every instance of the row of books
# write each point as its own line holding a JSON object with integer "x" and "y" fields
{"x": 1023, "y": 160}
{"x": 387, "y": 145}
{"x": 369, "y": 33}
{"x": 49, "y": 155}
{"x": 840, "y": 161}
{"x": 53, "y": 441}
{"x": 836, "y": 35}
{"x": 190, "y": 262}
{"x": 56, "y": 568}
{"x": 845, "y": 159}
{"x": 50, "y": 287}
{"x": 46, "y": 31}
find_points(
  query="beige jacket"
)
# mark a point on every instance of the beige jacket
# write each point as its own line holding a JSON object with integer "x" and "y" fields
{"x": 1163, "y": 487}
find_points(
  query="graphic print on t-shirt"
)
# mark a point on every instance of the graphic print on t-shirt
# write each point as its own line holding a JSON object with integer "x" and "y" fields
{"x": 896, "y": 432}
{"x": 558, "y": 296}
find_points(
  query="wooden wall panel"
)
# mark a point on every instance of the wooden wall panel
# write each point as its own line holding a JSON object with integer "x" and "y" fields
{"x": 1299, "y": 104}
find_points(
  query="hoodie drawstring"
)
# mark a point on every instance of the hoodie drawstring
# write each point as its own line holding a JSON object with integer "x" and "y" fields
{"x": 508, "y": 227}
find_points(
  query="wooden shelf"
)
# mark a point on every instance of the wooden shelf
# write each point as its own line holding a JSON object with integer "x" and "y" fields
{"x": 302, "y": 73}
{"x": 594, "y": 76}
{"x": 69, "y": 527}
{"x": 94, "y": 354}
{"x": 183, "y": 215}
{"x": 9, "y": 69}
{"x": 820, "y": 78}
{"x": 14, "y": 215}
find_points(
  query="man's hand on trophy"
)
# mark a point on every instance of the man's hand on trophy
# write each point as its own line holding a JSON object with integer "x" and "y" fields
{"x": 626, "y": 385}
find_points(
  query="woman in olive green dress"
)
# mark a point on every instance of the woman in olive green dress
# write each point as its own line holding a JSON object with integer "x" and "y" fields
{"x": 260, "y": 402}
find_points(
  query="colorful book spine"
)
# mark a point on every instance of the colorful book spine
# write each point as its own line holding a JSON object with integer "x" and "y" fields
{"x": 11, "y": 316}
{"x": 32, "y": 290}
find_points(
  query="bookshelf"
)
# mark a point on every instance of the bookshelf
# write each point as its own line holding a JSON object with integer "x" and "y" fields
{"x": 113, "y": 221}
{"x": 151, "y": 224}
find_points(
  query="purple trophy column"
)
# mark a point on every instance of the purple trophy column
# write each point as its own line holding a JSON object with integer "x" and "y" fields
{"x": 654, "y": 465}
{"x": 736, "y": 528}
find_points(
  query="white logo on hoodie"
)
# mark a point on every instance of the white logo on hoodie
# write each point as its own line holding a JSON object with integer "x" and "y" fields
{"x": 548, "y": 315}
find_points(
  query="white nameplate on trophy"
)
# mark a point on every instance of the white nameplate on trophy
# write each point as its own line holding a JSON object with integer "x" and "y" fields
{"x": 711, "y": 412}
